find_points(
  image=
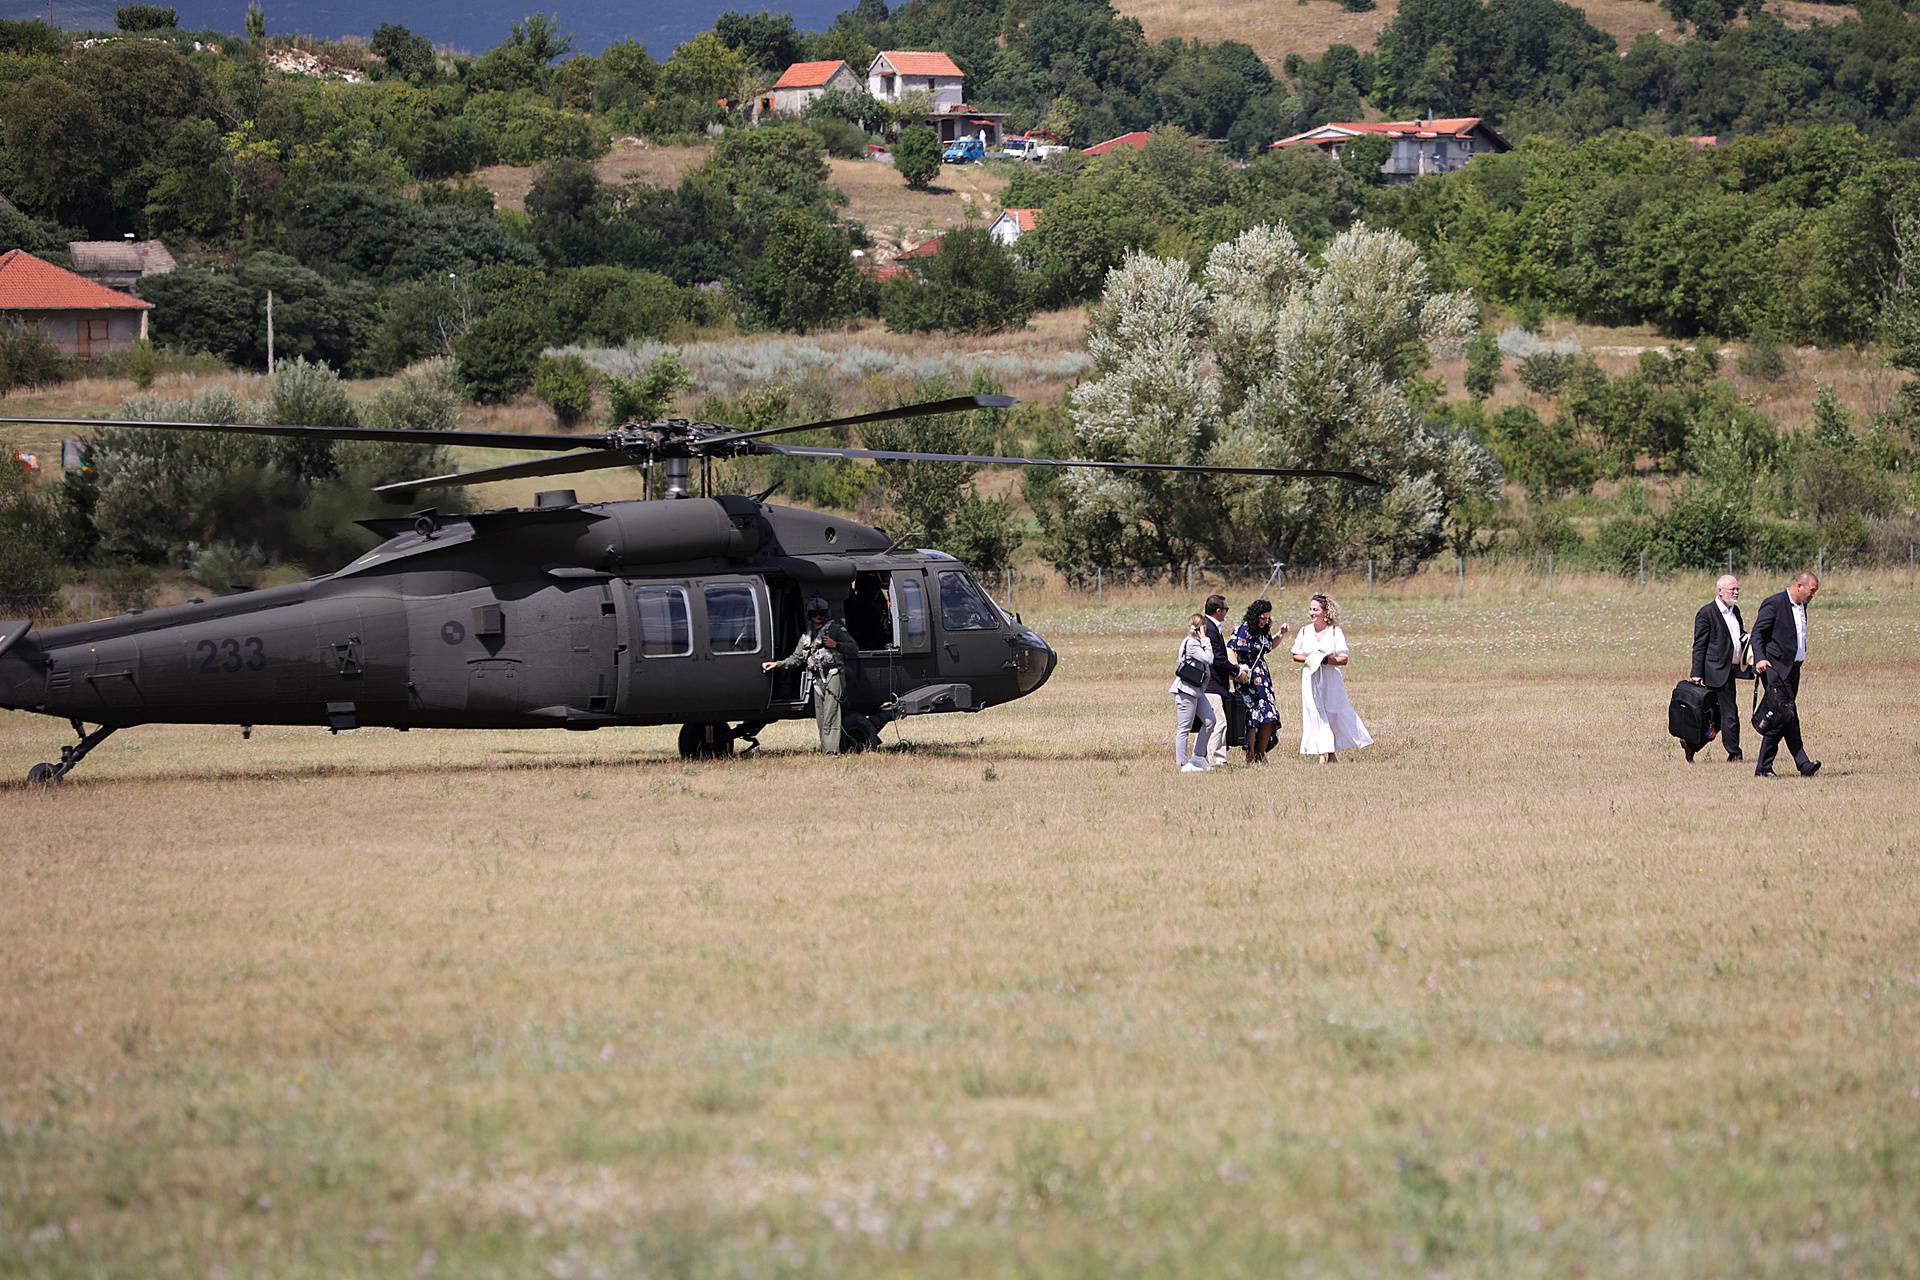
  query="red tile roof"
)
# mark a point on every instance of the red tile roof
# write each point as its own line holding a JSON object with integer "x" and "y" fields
{"x": 1137, "y": 140}
{"x": 1336, "y": 131}
{"x": 1025, "y": 219}
{"x": 28, "y": 284}
{"x": 910, "y": 62}
{"x": 808, "y": 75}
{"x": 923, "y": 250}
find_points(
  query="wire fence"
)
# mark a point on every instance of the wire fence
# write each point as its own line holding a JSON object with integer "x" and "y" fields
{"x": 1455, "y": 575}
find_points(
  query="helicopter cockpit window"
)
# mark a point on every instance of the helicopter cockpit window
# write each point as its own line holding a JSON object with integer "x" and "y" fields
{"x": 733, "y": 620}
{"x": 662, "y": 612}
{"x": 963, "y": 606}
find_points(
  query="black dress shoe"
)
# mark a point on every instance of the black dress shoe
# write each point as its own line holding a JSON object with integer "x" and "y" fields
{"x": 1734, "y": 757}
{"x": 1765, "y": 773}
{"x": 1689, "y": 750}
{"x": 1810, "y": 768}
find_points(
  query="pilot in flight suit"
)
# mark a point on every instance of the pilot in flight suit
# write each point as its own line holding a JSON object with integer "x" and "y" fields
{"x": 825, "y": 652}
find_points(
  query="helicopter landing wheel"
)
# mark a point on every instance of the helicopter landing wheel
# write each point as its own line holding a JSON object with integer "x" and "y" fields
{"x": 706, "y": 741}
{"x": 43, "y": 775}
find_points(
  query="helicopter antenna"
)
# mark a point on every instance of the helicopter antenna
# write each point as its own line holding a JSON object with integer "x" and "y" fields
{"x": 766, "y": 493}
{"x": 903, "y": 540}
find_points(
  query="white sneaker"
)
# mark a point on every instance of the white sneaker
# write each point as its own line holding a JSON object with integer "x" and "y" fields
{"x": 1193, "y": 766}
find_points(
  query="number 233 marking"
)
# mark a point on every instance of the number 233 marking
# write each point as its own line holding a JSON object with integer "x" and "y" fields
{"x": 232, "y": 655}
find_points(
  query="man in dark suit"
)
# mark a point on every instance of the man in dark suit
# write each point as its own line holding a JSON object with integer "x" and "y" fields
{"x": 1221, "y": 678}
{"x": 1779, "y": 647}
{"x": 1717, "y": 633}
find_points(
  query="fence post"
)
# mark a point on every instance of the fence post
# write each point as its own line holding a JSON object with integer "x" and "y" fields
{"x": 1729, "y": 559}
{"x": 1909, "y": 566}
{"x": 1460, "y": 568}
{"x": 1549, "y": 570}
{"x": 1369, "y": 575}
{"x": 1643, "y": 571}
{"x": 1820, "y": 564}
{"x": 1189, "y": 579}
{"x": 1099, "y": 587}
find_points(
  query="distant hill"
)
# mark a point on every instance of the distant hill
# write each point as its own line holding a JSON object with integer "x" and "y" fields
{"x": 1276, "y": 28}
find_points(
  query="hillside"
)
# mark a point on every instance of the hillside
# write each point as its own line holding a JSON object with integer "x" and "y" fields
{"x": 893, "y": 215}
{"x": 1308, "y": 27}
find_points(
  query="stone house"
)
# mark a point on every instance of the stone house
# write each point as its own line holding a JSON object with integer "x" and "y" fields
{"x": 801, "y": 83}
{"x": 119, "y": 264}
{"x": 77, "y": 316}
{"x": 1420, "y": 147}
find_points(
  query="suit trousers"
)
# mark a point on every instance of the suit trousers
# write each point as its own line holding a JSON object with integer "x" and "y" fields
{"x": 1727, "y": 696}
{"x": 1770, "y": 743}
{"x": 1217, "y": 747}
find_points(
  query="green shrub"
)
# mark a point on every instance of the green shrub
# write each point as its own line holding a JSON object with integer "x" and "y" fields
{"x": 29, "y": 526}
{"x": 27, "y": 359}
{"x": 1620, "y": 544}
{"x": 1483, "y": 366}
{"x": 496, "y": 357}
{"x": 565, "y": 383}
{"x": 1763, "y": 359}
{"x": 146, "y": 17}
{"x": 841, "y": 138}
{"x": 648, "y": 395}
{"x": 1699, "y": 529}
{"x": 972, "y": 285}
{"x": 1781, "y": 544}
{"x": 917, "y": 156}
{"x": 1545, "y": 372}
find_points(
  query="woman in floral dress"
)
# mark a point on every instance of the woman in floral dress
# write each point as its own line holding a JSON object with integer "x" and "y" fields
{"x": 1249, "y": 646}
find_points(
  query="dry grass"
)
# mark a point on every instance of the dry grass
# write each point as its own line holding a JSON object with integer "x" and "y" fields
{"x": 1515, "y": 993}
{"x": 1860, "y": 379}
{"x": 876, "y": 196}
{"x": 1309, "y": 27}
{"x": 899, "y": 217}
{"x": 631, "y": 159}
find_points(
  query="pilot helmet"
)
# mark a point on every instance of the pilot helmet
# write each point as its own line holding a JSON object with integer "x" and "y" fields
{"x": 817, "y": 607}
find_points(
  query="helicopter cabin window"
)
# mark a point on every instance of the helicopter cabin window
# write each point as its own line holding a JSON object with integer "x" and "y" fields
{"x": 911, "y": 617}
{"x": 870, "y": 612}
{"x": 733, "y": 619}
{"x": 662, "y": 614}
{"x": 963, "y": 606}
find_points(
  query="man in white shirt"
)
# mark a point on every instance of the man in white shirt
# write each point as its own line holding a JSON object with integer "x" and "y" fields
{"x": 1779, "y": 649}
{"x": 1717, "y": 633}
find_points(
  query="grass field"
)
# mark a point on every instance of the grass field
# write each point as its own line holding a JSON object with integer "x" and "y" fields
{"x": 1309, "y": 27}
{"x": 1516, "y": 992}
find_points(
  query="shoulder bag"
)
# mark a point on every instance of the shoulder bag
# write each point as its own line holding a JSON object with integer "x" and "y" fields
{"x": 1776, "y": 713}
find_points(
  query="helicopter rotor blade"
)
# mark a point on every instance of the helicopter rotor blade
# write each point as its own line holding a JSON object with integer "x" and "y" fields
{"x": 566, "y": 464}
{"x": 958, "y": 404}
{"x": 395, "y": 435}
{"x": 899, "y": 455}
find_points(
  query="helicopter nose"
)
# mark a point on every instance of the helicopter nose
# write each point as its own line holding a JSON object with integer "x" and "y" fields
{"x": 1033, "y": 661}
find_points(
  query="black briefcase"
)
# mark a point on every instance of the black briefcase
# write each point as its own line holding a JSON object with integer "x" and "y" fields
{"x": 1237, "y": 717}
{"x": 1692, "y": 714}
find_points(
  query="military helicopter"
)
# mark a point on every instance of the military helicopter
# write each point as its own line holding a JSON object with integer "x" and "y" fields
{"x": 564, "y": 614}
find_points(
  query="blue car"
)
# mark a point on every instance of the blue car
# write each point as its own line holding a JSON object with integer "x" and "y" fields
{"x": 964, "y": 150}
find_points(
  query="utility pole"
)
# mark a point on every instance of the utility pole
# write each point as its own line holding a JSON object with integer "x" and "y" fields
{"x": 269, "y": 333}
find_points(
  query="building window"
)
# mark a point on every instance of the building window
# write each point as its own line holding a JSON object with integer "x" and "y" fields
{"x": 96, "y": 330}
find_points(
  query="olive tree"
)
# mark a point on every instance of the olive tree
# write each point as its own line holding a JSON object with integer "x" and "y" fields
{"x": 1266, "y": 359}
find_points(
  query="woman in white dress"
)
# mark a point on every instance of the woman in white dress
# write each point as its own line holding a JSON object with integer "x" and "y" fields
{"x": 1328, "y": 722}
